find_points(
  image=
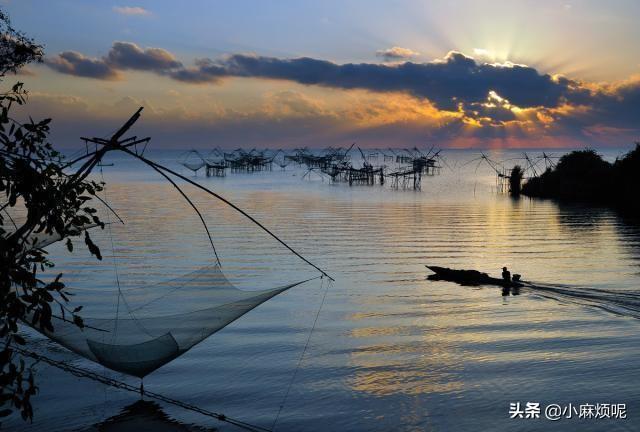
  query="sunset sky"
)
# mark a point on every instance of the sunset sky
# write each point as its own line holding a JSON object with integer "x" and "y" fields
{"x": 383, "y": 73}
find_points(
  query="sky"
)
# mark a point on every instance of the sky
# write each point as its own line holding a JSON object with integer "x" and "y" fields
{"x": 284, "y": 74}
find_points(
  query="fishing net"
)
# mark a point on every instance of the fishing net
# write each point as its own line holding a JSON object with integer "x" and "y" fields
{"x": 137, "y": 314}
{"x": 193, "y": 160}
{"x": 149, "y": 326}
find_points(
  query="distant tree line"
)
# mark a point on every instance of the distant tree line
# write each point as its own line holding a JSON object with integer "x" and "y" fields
{"x": 584, "y": 176}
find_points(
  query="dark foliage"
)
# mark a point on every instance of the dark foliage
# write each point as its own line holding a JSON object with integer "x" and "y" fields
{"x": 16, "y": 49}
{"x": 35, "y": 181}
{"x": 627, "y": 180}
{"x": 515, "y": 180}
{"x": 584, "y": 176}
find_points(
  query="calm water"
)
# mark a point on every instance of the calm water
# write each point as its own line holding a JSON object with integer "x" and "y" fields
{"x": 391, "y": 350}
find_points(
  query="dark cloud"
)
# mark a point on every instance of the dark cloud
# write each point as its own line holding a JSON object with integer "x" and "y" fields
{"x": 617, "y": 106}
{"x": 74, "y": 63}
{"x": 121, "y": 56}
{"x": 204, "y": 71}
{"x": 447, "y": 83}
{"x": 127, "y": 55}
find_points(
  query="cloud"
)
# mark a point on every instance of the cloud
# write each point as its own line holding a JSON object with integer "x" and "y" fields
{"x": 450, "y": 94}
{"x": 74, "y": 63}
{"x": 25, "y": 71}
{"x": 131, "y": 11}
{"x": 291, "y": 118}
{"x": 127, "y": 55}
{"x": 274, "y": 119}
{"x": 616, "y": 105}
{"x": 121, "y": 56}
{"x": 288, "y": 104}
{"x": 396, "y": 53}
{"x": 204, "y": 71}
{"x": 456, "y": 79}
{"x": 445, "y": 82}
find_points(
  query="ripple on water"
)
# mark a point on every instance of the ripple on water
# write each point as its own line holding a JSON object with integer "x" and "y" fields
{"x": 391, "y": 351}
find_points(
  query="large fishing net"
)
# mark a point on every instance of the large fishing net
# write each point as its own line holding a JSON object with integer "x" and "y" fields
{"x": 149, "y": 326}
{"x": 137, "y": 315}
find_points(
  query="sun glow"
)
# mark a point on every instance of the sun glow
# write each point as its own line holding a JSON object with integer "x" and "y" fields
{"x": 483, "y": 53}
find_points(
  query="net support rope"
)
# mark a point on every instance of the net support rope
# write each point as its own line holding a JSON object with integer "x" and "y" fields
{"x": 113, "y": 254}
{"x": 164, "y": 171}
{"x": 304, "y": 351}
{"x": 85, "y": 373}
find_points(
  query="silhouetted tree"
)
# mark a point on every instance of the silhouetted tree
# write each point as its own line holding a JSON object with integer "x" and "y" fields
{"x": 515, "y": 180}
{"x": 626, "y": 180}
{"x": 34, "y": 181}
{"x": 580, "y": 175}
{"x": 16, "y": 49}
{"x": 584, "y": 176}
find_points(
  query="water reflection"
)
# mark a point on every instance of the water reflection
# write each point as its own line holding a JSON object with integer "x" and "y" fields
{"x": 582, "y": 218}
{"x": 144, "y": 416}
{"x": 391, "y": 351}
{"x": 629, "y": 230}
{"x": 507, "y": 291}
{"x": 417, "y": 360}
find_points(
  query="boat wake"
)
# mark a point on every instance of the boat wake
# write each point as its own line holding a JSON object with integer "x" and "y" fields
{"x": 619, "y": 302}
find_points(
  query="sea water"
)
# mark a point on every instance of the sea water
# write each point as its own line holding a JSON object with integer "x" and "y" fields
{"x": 390, "y": 350}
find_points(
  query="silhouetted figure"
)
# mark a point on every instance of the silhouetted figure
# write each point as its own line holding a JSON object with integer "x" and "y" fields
{"x": 506, "y": 275}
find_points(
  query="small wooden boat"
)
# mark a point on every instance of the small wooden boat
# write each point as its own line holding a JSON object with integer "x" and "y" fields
{"x": 469, "y": 277}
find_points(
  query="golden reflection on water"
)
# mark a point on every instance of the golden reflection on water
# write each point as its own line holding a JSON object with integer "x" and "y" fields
{"x": 428, "y": 354}
{"x": 531, "y": 238}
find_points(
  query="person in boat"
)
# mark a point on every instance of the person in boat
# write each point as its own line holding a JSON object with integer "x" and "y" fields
{"x": 506, "y": 275}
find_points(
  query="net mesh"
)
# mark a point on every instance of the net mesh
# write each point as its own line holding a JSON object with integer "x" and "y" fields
{"x": 137, "y": 330}
{"x": 137, "y": 315}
